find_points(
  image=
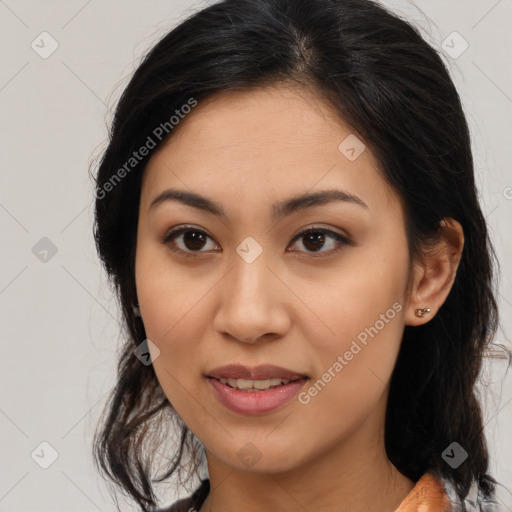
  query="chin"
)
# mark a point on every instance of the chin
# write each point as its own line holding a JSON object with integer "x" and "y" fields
{"x": 264, "y": 457}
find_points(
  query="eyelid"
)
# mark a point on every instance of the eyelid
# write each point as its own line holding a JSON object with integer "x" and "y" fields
{"x": 180, "y": 229}
{"x": 322, "y": 229}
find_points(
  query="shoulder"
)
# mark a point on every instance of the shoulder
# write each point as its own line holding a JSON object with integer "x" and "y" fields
{"x": 436, "y": 492}
{"x": 475, "y": 501}
{"x": 193, "y": 502}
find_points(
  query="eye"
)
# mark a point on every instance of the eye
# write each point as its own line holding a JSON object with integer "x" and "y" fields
{"x": 192, "y": 239}
{"x": 314, "y": 239}
{"x": 189, "y": 240}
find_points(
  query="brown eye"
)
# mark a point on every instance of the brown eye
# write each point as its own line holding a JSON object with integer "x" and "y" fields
{"x": 192, "y": 240}
{"x": 314, "y": 239}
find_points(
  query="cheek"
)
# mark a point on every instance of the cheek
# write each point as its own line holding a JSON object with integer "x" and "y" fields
{"x": 169, "y": 304}
{"x": 167, "y": 292}
{"x": 360, "y": 358}
{"x": 358, "y": 339}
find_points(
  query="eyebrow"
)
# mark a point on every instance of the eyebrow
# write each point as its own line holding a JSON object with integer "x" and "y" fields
{"x": 279, "y": 210}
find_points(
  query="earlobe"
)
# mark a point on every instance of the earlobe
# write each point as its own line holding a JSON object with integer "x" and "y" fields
{"x": 434, "y": 276}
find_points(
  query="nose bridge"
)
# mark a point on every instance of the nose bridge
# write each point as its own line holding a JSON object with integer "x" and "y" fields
{"x": 249, "y": 299}
{"x": 250, "y": 274}
{"x": 249, "y": 278}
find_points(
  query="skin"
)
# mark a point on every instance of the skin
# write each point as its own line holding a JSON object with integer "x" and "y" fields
{"x": 290, "y": 307}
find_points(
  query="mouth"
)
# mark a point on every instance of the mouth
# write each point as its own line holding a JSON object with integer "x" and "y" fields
{"x": 255, "y": 396}
{"x": 253, "y": 380}
{"x": 254, "y": 386}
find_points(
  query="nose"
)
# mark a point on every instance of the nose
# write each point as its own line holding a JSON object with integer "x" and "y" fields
{"x": 252, "y": 302}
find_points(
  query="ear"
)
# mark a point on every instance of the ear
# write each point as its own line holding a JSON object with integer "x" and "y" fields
{"x": 434, "y": 275}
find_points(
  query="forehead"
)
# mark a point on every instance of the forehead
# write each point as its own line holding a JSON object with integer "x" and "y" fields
{"x": 259, "y": 119}
{"x": 250, "y": 145}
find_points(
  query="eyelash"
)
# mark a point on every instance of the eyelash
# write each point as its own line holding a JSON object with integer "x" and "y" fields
{"x": 340, "y": 239}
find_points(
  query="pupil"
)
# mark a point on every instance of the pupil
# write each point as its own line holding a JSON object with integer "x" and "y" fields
{"x": 315, "y": 238}
{"x": 193, "y": 240}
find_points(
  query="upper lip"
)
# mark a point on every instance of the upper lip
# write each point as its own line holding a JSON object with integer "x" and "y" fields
{"x": 262, "y": 372}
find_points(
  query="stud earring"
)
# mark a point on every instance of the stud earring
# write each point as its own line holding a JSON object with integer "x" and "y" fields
{"x": 422, "y": 311}
{"x": 136, "y": 310}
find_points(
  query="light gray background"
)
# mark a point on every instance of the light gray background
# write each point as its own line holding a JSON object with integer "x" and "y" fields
{"x": 59, "y": 327}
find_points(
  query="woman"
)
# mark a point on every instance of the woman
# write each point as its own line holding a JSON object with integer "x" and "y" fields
{"x": 288, "y": 211}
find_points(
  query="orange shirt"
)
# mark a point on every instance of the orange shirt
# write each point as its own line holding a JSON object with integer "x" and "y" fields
{"x": 428, "y": 495}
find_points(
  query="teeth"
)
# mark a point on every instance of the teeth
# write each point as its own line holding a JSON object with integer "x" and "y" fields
{"x": 244, "y": 384}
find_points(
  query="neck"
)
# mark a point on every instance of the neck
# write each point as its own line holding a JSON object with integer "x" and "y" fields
{"x": 353, "y": 475}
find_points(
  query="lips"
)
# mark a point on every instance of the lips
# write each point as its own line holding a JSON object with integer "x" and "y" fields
{"x": 252, "y": 402}
{"x": 263, "y": 372}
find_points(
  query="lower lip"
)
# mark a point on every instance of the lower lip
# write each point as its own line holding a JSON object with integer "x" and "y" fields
{"x": 256, "y": 402}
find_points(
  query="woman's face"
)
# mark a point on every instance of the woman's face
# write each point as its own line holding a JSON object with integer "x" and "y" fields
{"x": 242, "y": 287}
